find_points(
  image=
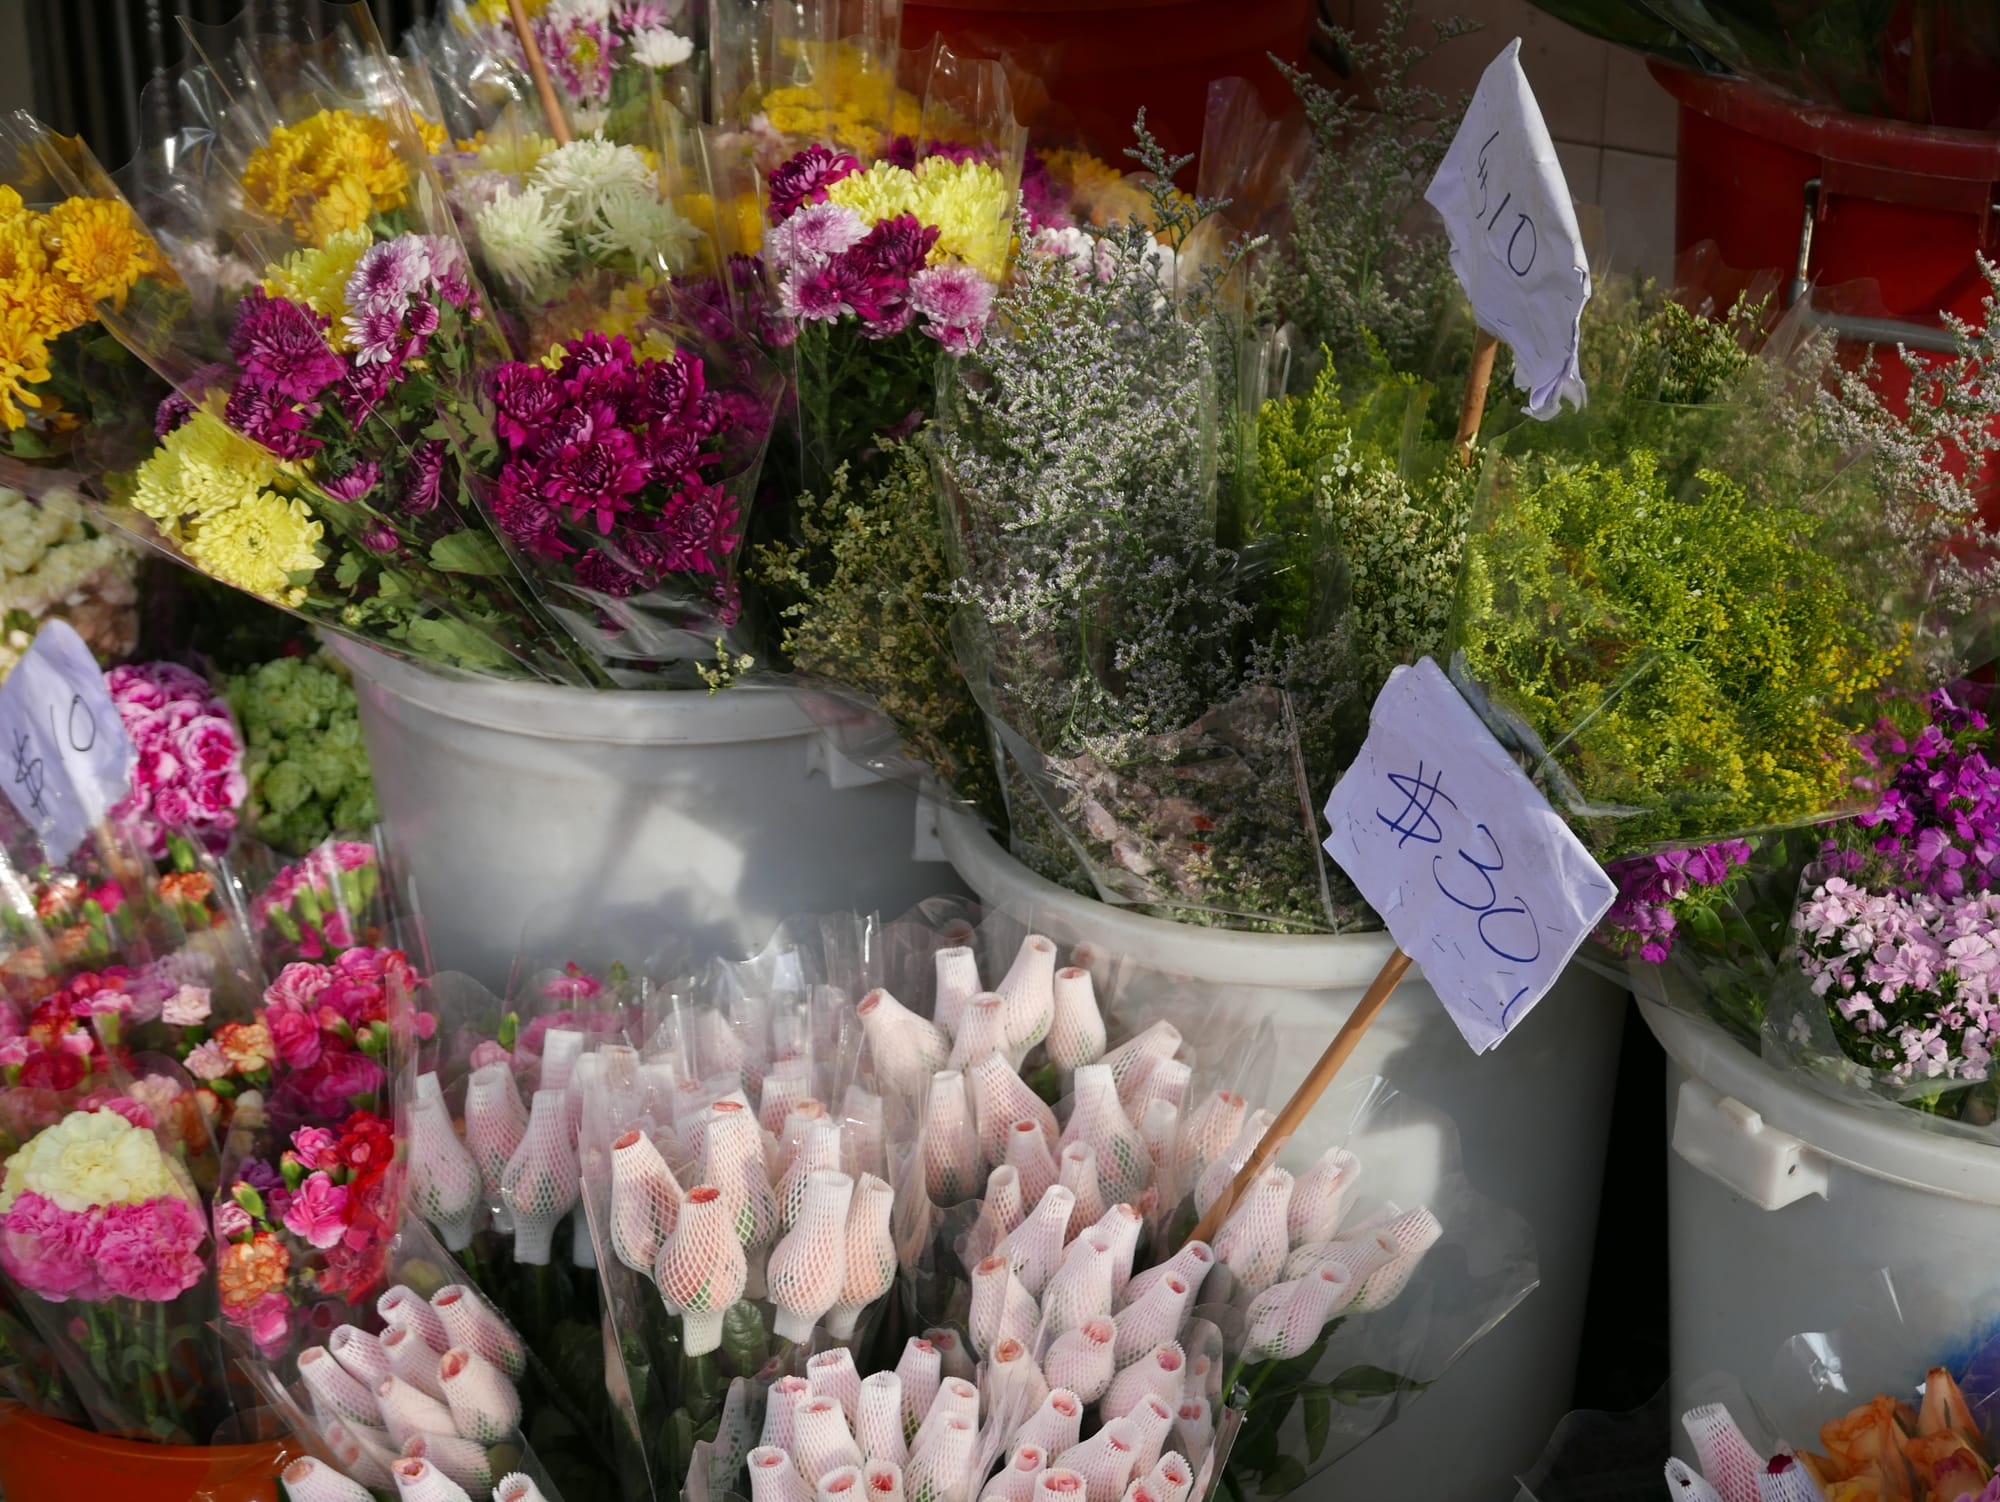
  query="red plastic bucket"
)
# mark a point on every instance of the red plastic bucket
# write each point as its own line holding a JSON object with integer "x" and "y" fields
{"x": 1101, "y": 60}
{"x": 43, "y": 1460}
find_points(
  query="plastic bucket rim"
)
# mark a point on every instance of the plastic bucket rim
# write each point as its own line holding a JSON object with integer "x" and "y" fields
{"x": 15, "y": 1412}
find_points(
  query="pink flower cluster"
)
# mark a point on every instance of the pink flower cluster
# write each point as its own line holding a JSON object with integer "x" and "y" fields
{"x": 189, "y": 776}
{"x": 605, "y": 460}
{"x": 329, "y": 1030}
{"x": 311, "y": 904}
{"x": 150, "y": 1251}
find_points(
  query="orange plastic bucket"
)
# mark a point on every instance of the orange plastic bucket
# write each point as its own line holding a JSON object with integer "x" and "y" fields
{"x": 42, "y": 1460}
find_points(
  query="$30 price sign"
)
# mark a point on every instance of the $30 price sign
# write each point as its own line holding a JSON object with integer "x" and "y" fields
{"x": 1478, "y": 878}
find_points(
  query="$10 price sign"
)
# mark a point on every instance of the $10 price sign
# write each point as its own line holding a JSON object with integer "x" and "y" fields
{"x": 65, "y": 758}
{"x": 1479, "y": 880}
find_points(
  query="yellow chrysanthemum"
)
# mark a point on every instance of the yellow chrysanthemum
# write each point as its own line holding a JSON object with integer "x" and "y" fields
{"x": 970, "y": 205}
{"x": 259, "y": 545}
{"x": 21, "y": 250}
{"x": 434, "y": 136}
{"x": 1098, "y": 192}
{"x": 11, "y": 205}
{"x": 882, "y": 192}
{"x": 328, "y": 173}
{"x": 495, "y": 12}
{"x": 24, "y": 362}
{"x": 344, "y": 206}
{"x": 514, "y": 151}
{"x": 99, "y": 247}
{"x": 201, "y": 469}
{"x": 318, "y": 277}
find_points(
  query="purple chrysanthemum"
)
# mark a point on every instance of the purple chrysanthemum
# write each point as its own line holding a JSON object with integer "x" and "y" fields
{"x": 283, "y": 344}
{"x": 265, "y": 415}
{"x": 599, "y": 572}
{"x": 423, "y": 479}
{"x": 805, "y": 178}
{"x": 598, "y": 474}
{"x": 520, "y": 511}
{"x": 526, "y": 398}
{"x": 697, "y": 533}
{"x": 955, "y": 301}
{"x": 356, "y": 483}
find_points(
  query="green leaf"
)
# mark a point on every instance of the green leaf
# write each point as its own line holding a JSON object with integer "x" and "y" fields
{"x": 1705, "y": 925}
{"x": 468, "y": 552}
{"x": 1359, "y": 1383}
{"x": 1318, "y": 1419}
{"x": 351, "y": 567}
{"x": 454, "y": 641}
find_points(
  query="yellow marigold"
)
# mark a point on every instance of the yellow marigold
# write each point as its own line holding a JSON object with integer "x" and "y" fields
{"x": 318, "y": 276}
{"x": 24, "y": 362}
{"x": 882, "y": 192}
{"x": 327, "y": 173}
{"x": 199, "y": 470}
{"x": 99, "y": 247}
{"x": 970, "y": 205}
{"x": 247, "y": 1270}
{"x": 257, "y": 547}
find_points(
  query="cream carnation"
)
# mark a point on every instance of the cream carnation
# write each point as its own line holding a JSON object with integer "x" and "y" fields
{"x": 90, "y": 1158}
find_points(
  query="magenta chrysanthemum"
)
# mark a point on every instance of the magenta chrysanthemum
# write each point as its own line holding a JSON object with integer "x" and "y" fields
{"x": 283, "y": 345}
{"x": 805, "y": 178}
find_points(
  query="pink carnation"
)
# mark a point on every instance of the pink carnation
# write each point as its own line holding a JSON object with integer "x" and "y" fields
{"x": 133, "y": 1111}
{"x": 318, "y": 1211}
{"x": 295, "y": 1036}
{"x": 317, "y": 1147}
{"x": 231, "y": 1220}
{"x": 205, "y": 1061}
{"x": 189, "y": 1006}
{"x": 149, "y": 1251}
{"x": 297, "y": 984}
{"x": 49, "y": 1250}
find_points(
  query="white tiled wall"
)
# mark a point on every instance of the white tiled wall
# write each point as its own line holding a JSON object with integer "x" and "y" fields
{"x": 1613, "y": 125}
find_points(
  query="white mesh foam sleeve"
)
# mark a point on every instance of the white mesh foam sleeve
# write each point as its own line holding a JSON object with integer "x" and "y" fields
{"x": 821, "y": 1440}
{"x": 884, "y": 1480}
{"x": 878, "y": 1421}
{"x": 1076, "y": 1171}
{"x": 957, "y": 1362}
{"x": 539, "y": 1185}
{"x": 957, "y": 1398}
{"x": 1220, "y": 1174}
{"x": 645, "y": 1198}
{"x": 407, "y": 1410}
{"x": 982, "y": 1029}
{"x": 1171, "y": 1477}
{"x": 1104, "y": 1461}
{"x": 418, "y": 1480}
{"x": 1035, "y": 1246}
{"x": 951, "y": 1146}
{"x": 1166, "y": 1081}
{"x": 406, "y": 1355}
{"x": 1080, "y": 1288}
{"x": 1320, "y": 1197}
{"x": 733, "y": 1161}
{"x": 399, "y": 1306}
{"x": 1002, "y": 1309}
{"x": 1076, "y": 1032}
{"x": 779, "y": 1410}
{"x": 1121, "y": 1225}
{"x": 1784, "y": 1479}
{"x": 941, "y": 1462}
{"x": 1000, "y": 1210}
{"x": 920, "y": 1369}
{"x": 1152, "y": 1319}
{"x": 1194, "y": 1428}
{"x": 999, "y": 1099}
{"x": 819, "y": 1151}
{"x": 1285, "y": 1319}
{"x": 701, "y": 1272}
{"x": 907, "y": 1049}
{"x": 483, "y": 1403}
{"x": 809, "y": 1265}
{"x": 1160, "y": 1130}
{"x": 1159, "y": 1372}
{"x": 1033, "y": 1163}
{"x": 781, "y": 1151}
{"x": 871, "y": 1255}
{"x": 1081, "y": 1359}
{"x": 465, "y": 1461}
{"x": 1727, "y": 1460}
{"x": 1131, "y": 1062}
{"x": 957, "y": 983}
{"x": 561, "y": 1048}
{"x": 842, "y": 1484}
{"x": 1151, "y": 1418}
{"x": 1685, "y": 1485}
{"x": 773, "y": 1477}
{"x": 832, "y": 1374}
{"x": 1190, "y": 1263}
{"x": 1054, "y": 1426}
{"x": 1027, "y": 993}
{"x": 1124, "y": 1166}
{"x": 1361, "y": 1251}
{"x": 722, "y": 1047}
{"x": 517, "y": 1486}
{"x": 1055, "y": 1484}
{"x": 309, "y": 1480}
{"x": 1015, "y": 1481}
{"x": 363, "y": 1450}
{"x": 336, "y": 1393}
{"x": 1252, "y": 1242}
{"x": 861, "y": 1141}
{"x": 1415, "y": 1232}
{"x": 785, "y": 1087}
{"x": 470, "y": 1321}
{"x": 360, "y": 1354}
{"x": 444, "y": 1179}
{"x": 1206, "y": 1134}
{"x": 1012, "y": 1385}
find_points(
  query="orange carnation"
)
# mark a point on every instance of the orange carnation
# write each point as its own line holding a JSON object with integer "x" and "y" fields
{"x": 247, "y": 1270}
{"x": 247, "y": 1046}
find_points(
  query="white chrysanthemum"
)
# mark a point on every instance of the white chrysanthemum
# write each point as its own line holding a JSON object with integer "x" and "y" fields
{"x": 583, "y": 11}
{"x": 580, "y": 177}
{"x": 638, "y": 225}
{"x": 661, "y": 48}
{"x": 522, "y": 237}
{"x": 589, "y": 118}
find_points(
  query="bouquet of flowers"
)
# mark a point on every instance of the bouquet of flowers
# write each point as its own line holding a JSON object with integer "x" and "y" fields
{"x": 189, "y": 776}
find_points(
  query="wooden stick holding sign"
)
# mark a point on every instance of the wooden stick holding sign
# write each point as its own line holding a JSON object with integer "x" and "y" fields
{"x": 1472, "y": 406}
{"x": 1311, "y": 1088}
{"x": 538, "y": 70}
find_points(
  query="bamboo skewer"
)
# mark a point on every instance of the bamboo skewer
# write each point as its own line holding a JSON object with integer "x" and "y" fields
{"x": 539, "y": 71}
{"x": 1473, "y": 405}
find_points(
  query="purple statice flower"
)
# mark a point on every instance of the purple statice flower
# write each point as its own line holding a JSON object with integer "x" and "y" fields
{"x": 804, "y": 179}
{"x": 356, "y": 483}
{"x": 954, "y": 301}
{"x": 1936, "y": 825}
{"x": 423, "y": 478}
{"x": 596, "y": 474}
{"x": 526, "y": 399}
{"x": 283, "y": 345}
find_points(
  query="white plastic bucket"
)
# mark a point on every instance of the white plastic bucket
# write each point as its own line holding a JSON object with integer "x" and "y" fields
{"x": 521, "y": 809}
{"x": 1532, "y": 1118}
{"x": 1787, "y": 1208}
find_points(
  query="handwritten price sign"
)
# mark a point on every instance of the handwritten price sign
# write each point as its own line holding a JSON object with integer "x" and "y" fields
{"x": 1514, "y": 240}
{"x": 1479, "y": 880}
{"x": 65, "y": 759}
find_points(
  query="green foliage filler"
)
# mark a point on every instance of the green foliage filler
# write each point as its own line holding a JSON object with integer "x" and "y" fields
{"x": 307, "y": 766}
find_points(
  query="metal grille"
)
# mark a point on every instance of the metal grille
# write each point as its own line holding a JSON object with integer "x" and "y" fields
{"x": 94, "y": 58}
